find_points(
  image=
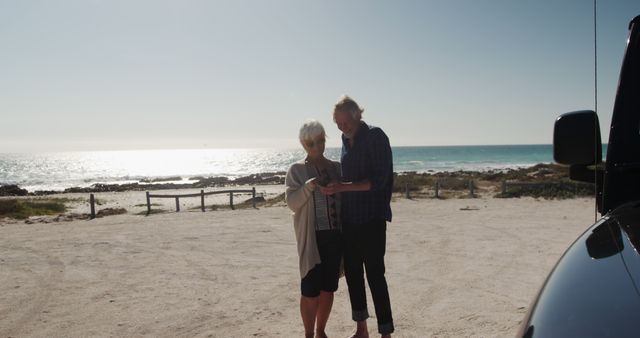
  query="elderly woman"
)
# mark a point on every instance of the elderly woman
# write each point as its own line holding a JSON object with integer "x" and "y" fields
{"x": 316, "y": 222}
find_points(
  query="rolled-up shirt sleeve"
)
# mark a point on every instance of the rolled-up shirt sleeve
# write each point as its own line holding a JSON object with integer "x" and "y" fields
{"x": 381, "y": 160}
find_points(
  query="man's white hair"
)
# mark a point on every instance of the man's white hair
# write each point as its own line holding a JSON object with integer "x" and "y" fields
{"x": 346, "y": 104}
{"x": 310, "y": 130}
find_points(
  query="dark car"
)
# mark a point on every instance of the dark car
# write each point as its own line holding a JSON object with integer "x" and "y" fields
{"x": 594, "y": 289}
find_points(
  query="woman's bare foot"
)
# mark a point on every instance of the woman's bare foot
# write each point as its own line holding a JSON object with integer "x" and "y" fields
{"x": 321, "y": 335}
{"x": 360, "y": 334}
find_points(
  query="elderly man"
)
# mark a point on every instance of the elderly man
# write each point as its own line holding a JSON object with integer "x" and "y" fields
{"x": 367, "y": 180}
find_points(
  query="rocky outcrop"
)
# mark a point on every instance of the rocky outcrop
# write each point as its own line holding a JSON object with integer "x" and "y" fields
{"x": 12, "y": 190}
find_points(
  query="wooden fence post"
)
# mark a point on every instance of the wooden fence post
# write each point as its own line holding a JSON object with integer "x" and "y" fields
{"x": 177, "y": 204}
{"x": 504, "y": 186}
{"x": 471, "y": 194}
{"x": 253, "y": 192}
{"x": 231, "y": 200}
{"x": 437, "y": 189}
{"x": 148, "y": 204}
{"x": 406, "y": 190}
{"x": 202, "y": 199}
{"x": 92, "y": 201}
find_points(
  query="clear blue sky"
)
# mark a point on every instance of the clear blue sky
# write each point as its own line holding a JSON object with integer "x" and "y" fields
{"x": 109, "y": 74}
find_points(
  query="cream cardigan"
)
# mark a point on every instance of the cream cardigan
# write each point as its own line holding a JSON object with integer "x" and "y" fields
{"x": 299, "y": 197}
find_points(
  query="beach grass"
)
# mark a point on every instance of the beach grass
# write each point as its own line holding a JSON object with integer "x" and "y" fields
{"x": 111, "y": 212}
{"x": 23, "y": 209}
{"x": 550, "y": 190}
{"x": 276, "y": 200}
{"x": 145, "y": 204}
{"x": 548, "y": 181}
{"x": 152, "y": 211}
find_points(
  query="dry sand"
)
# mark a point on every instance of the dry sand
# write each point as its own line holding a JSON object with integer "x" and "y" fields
{"x": 455, "y": 268}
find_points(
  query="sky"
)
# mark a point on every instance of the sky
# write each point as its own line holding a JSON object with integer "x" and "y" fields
{"x": 154, "y": 74}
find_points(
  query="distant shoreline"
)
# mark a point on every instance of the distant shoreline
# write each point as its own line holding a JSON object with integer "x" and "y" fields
{"x": 184, "y": 168}
{"x": 294, "y": 148}
{"x": 530, "y": 173}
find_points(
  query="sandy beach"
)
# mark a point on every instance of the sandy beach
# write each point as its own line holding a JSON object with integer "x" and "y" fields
{"x": 455, "y": 267}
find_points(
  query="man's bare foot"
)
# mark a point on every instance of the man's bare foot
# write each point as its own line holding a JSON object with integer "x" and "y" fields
{"x": 361, "y": 330}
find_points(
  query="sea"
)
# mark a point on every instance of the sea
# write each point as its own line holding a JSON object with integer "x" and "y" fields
{"x": 61, "y": 170}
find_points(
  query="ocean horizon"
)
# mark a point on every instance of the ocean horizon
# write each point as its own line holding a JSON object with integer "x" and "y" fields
{"x": 61, "y": 170}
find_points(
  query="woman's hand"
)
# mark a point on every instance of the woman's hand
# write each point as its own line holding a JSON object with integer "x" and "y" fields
{"x": 313, "y": 183}
{"x": 332, "y": 188}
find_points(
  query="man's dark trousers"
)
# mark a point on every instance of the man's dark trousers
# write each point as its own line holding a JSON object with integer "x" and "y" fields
{"x": 365, "y": 245}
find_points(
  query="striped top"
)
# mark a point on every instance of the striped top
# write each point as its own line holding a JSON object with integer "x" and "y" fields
{"x": 326, "y": 207}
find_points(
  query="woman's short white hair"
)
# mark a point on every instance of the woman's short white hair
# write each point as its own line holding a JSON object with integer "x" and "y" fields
{"x": 311, "y": 129}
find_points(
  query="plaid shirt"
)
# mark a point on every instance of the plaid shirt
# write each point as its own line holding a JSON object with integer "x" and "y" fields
{"x": 369, "y": 159}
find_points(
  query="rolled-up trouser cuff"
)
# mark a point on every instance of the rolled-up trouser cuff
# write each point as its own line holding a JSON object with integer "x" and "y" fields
{"x": 359, "y": 315}
{"x": 385, "y": 328}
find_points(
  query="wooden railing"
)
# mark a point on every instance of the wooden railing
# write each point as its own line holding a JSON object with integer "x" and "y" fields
{"x": 437, "y": 188}
{"x": 202, "y": 194}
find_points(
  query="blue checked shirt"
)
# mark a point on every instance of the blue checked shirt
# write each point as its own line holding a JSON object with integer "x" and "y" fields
{"x": 369, "y": 159}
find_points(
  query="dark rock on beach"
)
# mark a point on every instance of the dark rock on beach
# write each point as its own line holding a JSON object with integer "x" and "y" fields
{"x": 196, "y": 182}
{"x": 12, "y": 190}
{"x": 204, "y": 182}
{"x": 43, "y": 193}
{"x": 161, "y": 179}
{"x": 264, "y": 178}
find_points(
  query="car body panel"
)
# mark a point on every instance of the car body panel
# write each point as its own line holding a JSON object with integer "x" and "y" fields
{"x": 593, "y": 289}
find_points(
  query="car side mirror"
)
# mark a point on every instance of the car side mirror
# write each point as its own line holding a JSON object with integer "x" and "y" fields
{"x": 576, "y": 138}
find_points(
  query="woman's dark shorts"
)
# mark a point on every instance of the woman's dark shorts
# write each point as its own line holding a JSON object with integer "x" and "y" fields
{"x": 324, "y": 276}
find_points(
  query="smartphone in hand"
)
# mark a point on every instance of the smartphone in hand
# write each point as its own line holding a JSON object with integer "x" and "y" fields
{"x": 324, "y": 179}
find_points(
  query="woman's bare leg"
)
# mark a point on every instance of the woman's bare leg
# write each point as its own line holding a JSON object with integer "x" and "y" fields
{"x": 308, "y": 310}
{"x": 325, "y": 302}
